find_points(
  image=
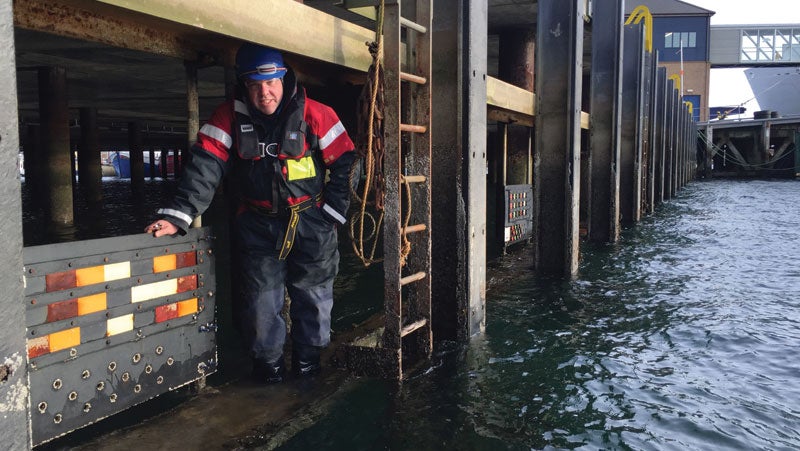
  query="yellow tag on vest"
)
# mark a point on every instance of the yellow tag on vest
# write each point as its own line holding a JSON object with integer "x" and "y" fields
{"x": 300, "y": 169}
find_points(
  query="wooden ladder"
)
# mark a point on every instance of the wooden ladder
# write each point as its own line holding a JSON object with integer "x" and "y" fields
{"x": 407, "y": 172}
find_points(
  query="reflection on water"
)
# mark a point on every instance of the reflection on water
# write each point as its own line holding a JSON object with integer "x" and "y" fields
{"x": 682, "y": 336}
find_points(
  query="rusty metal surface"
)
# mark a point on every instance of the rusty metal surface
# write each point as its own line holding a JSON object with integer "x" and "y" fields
{"x": 105, "y": 372}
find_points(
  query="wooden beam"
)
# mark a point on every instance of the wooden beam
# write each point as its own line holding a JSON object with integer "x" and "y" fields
{"x": 509, "y": 97}
{"x": 512, "y": 104}
{"x": 283, "y": 24}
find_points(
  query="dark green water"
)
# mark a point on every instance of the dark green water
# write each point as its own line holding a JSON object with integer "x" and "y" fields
{"x": 683, "y": 336}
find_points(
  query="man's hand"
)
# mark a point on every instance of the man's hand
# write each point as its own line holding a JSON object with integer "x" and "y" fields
{"x": 160, "y": 228}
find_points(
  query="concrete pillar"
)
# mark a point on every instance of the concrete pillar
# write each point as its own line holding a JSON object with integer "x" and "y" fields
{"x": 459, "y": 168}
{"x": 136, "y": 152}
{"x": 515, "y": 66}
{"x": 605, "y": 117}
{"x": 13, "y": 388}
{"x": 90, "y": 172}
{"x": 558, "y": 130}
{"x": 54, "y": 113}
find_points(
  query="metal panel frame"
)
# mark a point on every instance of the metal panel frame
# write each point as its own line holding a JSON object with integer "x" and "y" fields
{"x": 107, "y": 373}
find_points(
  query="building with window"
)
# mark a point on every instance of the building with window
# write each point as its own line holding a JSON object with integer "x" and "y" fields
{"x": 681, "y": 36}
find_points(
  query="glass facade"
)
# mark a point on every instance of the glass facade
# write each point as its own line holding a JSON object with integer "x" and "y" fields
{"x": 770, "y": 45}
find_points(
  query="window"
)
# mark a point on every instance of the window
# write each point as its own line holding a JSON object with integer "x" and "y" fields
{"x": 678, "y": 39}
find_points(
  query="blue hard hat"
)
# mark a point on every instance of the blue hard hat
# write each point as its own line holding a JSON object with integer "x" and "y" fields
{"x": 257, "y": 62}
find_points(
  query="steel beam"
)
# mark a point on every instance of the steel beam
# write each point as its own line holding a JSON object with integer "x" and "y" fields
{"x": 660, "y": 131}
{"x": 605, "y": 119}
{"x": 631, "y": 144}
{"x": 459, "y": 169}
{"x": 652, "y": 138}
{"x": 13, "y": 376}
{"x": 559, "y": 52}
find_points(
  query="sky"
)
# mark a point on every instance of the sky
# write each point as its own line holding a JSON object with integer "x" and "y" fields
{"x": 729, "y": 86}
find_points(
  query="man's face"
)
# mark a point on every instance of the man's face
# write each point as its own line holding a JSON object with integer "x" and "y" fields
{"x": 265, "y": 95}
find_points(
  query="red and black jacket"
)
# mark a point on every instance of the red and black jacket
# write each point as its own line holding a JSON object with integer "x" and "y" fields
{"x": 274, "y": 162}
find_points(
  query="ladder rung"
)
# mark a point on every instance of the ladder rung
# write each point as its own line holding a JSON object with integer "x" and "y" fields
{"x": 412, "y": 327}
{"x": 412, "y": 278}
{"x": 413, "y": 78}
{"x": 413, "y": 128}
{"x": 413, "y": 25}
{"x": 413, "y": 179}
{"x": 414, "y": 228}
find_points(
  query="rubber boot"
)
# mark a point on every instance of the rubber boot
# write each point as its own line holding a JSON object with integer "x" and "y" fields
{"x": 306, "y": 360}
{"x": 269, "y": 372}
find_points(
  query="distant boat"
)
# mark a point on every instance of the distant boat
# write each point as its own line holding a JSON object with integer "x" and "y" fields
{"x": 121, "y": 162}
{"x": 776, "y": 89}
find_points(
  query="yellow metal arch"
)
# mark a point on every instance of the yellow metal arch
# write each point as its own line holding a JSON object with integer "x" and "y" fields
{"x": 677, "y": 79}
{"x": 690, "y": 105}
{"x": 639, "y": 13}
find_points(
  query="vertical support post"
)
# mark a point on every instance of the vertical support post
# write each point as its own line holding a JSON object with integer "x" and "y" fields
{"x": 652, "y": 148}
{"x": 90, "y": 173}
{"x": 559, "y": 45}
{"x": 631, "y": 144}
{"x": 675, "y": 134}
{"x": 391, "y": 166}
{"x": 192, "y": 117}
{"x": 660, "y": 143}
{"x": 709, "y": 151}
{"x": 501, "y": 172}
{"x": 516, "y": 66}
{"x": 643, "y": 154}
{"x": 459, "y": 168}
{"x": 605, "y": 118}
{"x": 57, "y": 154}
{"x": 474, "y": 64}
{"x": 34, "y": 160}
{"x": 136, "y": 155}
{"x": 151, "y": 154}
{"x": 13, "y": 388}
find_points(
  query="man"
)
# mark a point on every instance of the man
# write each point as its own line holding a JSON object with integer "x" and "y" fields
{"x": 276, "y": 145}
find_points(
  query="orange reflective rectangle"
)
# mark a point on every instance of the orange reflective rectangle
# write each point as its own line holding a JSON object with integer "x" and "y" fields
{"x": 164, "y": 263}
{"x": 187, "y": 307}
{"x": 90, "y": 276}
{"x": 60, "y": 281}
{"x": 166, "y": 312}
{"x": 38, "y": 346}
{"x": 62, "y": 310}
{"x": 187, "y": 283}
{"x": 187, "y": 259}
{"x": 65, "y": 339}
{"x": 91, "y": 304}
